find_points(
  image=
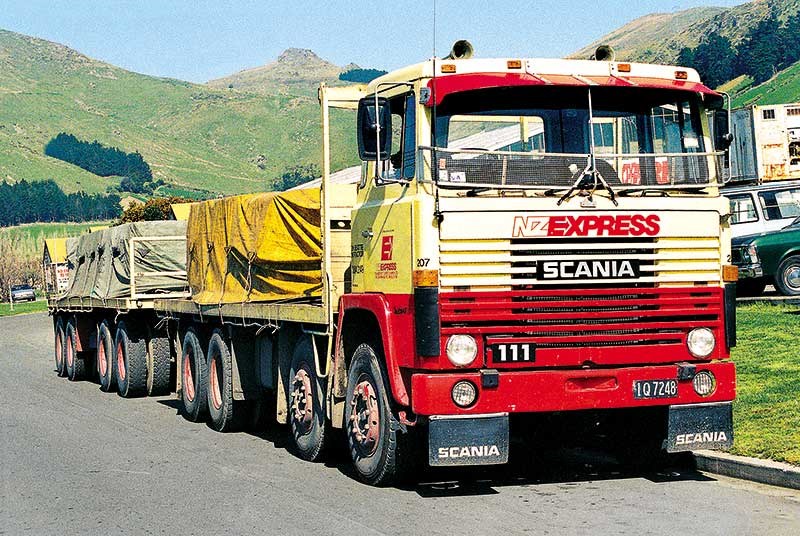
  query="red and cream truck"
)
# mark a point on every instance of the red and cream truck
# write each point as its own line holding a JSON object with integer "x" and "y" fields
{"x": 529, "y": 237}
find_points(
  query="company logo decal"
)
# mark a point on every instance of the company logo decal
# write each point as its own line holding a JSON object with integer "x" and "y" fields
{"x": 601, "y": 269}
{"x": 479, "y": 451}
{"x": 387, "y": 247}
{"x": 705, "y": 437}
{"x": 589, "y": 225}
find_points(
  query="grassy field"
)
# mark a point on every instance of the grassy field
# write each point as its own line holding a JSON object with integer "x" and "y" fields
{"x": 23, "y": 308}
{"x": 31, "y": 236}
{"x": 767, "y": 409}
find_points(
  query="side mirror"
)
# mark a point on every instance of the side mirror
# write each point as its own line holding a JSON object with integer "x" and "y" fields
{"x": 371, "y": 121}
{"x": 722, "y": 136}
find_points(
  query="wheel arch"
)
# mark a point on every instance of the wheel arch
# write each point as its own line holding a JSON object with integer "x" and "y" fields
{"x": 367, "y": 318}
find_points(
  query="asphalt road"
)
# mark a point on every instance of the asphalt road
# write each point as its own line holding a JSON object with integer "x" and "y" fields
{"x": 74, "y": 460}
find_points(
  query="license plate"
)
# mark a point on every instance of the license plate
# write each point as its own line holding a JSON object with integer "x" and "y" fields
{"x": 468, "y": 440}
{"x": 523, "y": 352}
{"x": 644, "y": 389}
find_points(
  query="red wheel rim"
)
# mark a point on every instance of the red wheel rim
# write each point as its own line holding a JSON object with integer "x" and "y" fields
{"x": 59, "y": 351}
{"x": 70, "y": 357}
{"x": 365, "y": 417}
{"x": 102, "y": 362}
{"x": 120, "y": 361}
{"x": 302, "y": 400}
{"x": 188, "y": 376}
{"x": 214, "y": 382}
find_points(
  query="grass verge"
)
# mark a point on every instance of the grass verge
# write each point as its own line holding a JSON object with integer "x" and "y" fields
{"x": 37, "y": 306}
{"x": 766, "y": 414}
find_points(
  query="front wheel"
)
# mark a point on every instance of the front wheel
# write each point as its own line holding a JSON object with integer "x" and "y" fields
{"x": 787, "y": 279}
{"x": 379, "y": 449}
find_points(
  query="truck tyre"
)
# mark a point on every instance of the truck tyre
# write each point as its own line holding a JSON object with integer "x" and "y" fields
{"x": 159, "y": 366}
{"x": 305, "y": 401}
{"x": 105, "y": 357}
{"x": 787, "y": 278}
{"x": 76, "y": 368}
{"x": 750, "y": 287}
{"x": 130, "y": 368}
{"x": 60, "y": 337}
{"x": 193, "y": 370}
{"x": 227, "y": 414}
{"x": 380, "y": 451}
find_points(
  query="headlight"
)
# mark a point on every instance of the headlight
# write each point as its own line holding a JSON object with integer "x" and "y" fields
{"x": 752, "y": 252}
{"x": 701, "y": 342}
{"x": 464, "y": 393}
{"x": 461, "y": 350}
{"x": 704, "y": 383}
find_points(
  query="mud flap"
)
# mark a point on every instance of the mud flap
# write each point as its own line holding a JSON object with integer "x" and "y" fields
{"x": 468, "y": 440}
{"x": 700, "y": 426}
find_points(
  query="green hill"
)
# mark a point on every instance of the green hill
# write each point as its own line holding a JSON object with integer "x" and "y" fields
{"x": 782, "y": 88}
{"x": 193, "y": 136}
{"x": 658, "y": 38}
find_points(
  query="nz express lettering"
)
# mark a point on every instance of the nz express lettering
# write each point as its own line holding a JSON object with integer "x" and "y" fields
{"x": 588, "y": 225}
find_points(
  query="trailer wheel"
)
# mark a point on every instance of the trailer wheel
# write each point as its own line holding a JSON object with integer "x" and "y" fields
{"x": 227, "y": 415}
{"x": 193, "y": 370}
{"x": 306, "y": 404}
{"x": 130, "y": 371}
{"x": 159, "y": 366}
{"x": 380, "y": 451}
{"x": 105, "y": 357}
{"x": 787, "y": 278}
{"x": 76, "y": 368}
{"x": 60, "y": 336}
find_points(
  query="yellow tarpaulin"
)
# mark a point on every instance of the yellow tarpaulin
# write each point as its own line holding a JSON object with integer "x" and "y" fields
{"x": 56, "y": 249}
{"x": 256, "y": 247}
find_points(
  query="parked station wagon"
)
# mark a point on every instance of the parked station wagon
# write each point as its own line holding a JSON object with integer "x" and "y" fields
{"x": 763, "y": 207}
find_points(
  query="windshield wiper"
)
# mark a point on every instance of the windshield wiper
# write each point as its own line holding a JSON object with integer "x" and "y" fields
{"x": 589, "y": 180}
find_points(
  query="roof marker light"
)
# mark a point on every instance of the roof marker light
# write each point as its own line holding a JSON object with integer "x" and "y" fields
{"x": 448, "y": 68}
{"x": 514, "y": 64}
{"x": 681, "y": 75}
{"x": 624, "y": 67}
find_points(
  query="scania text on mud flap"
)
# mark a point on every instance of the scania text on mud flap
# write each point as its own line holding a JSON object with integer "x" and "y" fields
{"x": 528, "y": 238}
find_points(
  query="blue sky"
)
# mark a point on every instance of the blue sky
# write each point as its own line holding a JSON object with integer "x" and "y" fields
{"x": 200, "y": 40}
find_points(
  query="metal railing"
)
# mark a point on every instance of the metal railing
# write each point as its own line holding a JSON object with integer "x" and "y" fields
{"x": 477, "y": 168}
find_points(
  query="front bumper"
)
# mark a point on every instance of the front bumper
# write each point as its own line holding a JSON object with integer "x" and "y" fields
{"x": 751, "y": 271}
{"x": 563, "y": 390}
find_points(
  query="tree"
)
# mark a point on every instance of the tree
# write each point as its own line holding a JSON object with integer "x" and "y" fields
{"x": 715, "y": 59}
{"x": 760, "y": 54}
{"x": 295, "y": 176}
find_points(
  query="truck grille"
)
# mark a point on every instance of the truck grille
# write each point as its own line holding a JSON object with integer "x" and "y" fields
{"x": 560, "y": 320}
{"x": 513, "y": 264}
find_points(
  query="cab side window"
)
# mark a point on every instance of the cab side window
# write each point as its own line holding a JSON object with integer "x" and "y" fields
{"x": 402, "y": 163}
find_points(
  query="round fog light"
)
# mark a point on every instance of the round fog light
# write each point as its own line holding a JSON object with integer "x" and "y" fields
{"x": 704, "y": 383}
{"x": 701, "y": 342}
{"x": 464, "y": 394}
{"x": 461, "y": 350}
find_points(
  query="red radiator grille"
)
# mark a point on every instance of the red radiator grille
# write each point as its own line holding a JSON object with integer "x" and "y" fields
{"x": 659, "y": 318}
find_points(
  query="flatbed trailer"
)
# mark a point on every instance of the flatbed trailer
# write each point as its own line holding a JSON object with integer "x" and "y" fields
{"x": 578, "y": 270}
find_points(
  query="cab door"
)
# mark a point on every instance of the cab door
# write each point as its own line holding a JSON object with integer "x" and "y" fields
{"x": 382, "y": 217}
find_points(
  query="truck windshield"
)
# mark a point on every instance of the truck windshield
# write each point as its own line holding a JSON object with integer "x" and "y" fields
{"x": 541, "y": 137}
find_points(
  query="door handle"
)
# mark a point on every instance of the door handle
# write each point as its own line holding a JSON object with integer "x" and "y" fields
{"x": 367, "y": 233}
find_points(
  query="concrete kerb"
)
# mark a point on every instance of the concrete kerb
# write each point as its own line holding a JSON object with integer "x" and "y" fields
{"x": 754, "y": 469}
